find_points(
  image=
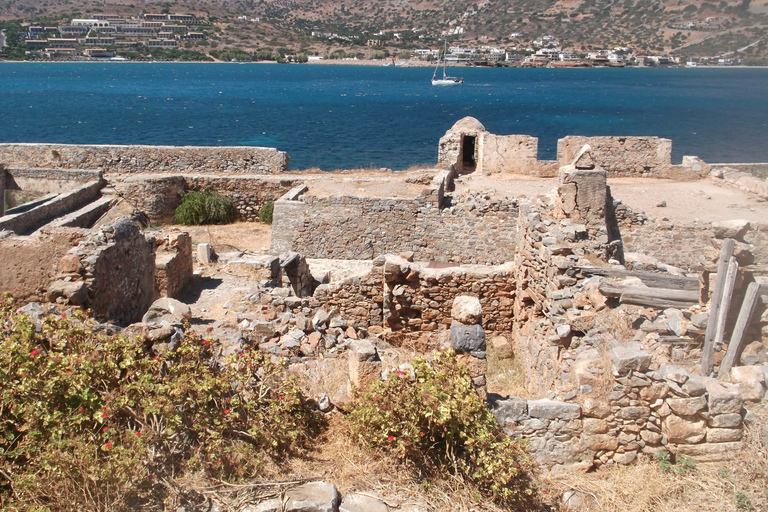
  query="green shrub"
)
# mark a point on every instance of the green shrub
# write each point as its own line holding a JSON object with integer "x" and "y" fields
{"x": 205, "y": 207}
{"x": 91, "y": 422}
{"x": 437, "y": 423}
{"x": 265, "y": 212}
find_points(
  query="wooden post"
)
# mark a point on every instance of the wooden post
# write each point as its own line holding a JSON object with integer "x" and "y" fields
{"x": 708, "y": 352}
{"x": 737, "y": 338}
{"x": 725, "y": 302}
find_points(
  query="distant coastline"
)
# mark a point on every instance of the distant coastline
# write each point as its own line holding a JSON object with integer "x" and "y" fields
{"x": 356, "y": 62}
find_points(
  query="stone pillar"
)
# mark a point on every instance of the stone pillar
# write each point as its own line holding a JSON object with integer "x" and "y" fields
{"x": 583, "y": 188}
{"x": 468, "y": 339}
{"x": 364, "y": 364}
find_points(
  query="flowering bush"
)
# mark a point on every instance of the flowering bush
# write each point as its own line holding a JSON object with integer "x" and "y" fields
{"x": 437, "y": 422}
{"x": 89, "y": 421}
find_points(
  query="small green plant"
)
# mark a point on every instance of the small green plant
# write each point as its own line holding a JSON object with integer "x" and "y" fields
{"x": 205, "y": 207}
{"x": 681, "y": 467}
{"x": 265, "y": 212}
{"x": 55, "y": 154}
{"x": 436, "y": 423}
{"x": 743, "y": 502}
{"x": 664, "y": 461}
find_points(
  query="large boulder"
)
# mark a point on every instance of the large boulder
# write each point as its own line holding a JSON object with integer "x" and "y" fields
{"x": 313, "y": 497}
{"x": 167, "y": 311}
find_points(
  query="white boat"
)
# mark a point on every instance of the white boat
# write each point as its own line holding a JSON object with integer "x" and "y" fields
{"x": 445, "y": 80}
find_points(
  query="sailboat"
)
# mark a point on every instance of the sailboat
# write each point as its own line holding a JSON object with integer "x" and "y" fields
{"x": 446, "y": 80}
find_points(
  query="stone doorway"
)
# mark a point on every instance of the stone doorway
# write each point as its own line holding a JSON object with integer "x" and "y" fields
{"x": 468, "y": 152}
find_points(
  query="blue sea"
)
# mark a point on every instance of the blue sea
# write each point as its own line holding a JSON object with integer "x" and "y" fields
{"x": 341, "y": 117}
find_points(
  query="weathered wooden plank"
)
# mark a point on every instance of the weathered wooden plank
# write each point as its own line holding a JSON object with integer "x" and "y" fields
{"x": 708, "y": 351}
{"x": 725, "y": 301}
{"x": 617, "y": 290}
{"x": 653, "y": 302}
{"x": 651, "y": 279}
{"x": 737, "y": 338}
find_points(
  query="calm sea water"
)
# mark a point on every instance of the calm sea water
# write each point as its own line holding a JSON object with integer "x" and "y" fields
{"x": 355, "y": 116}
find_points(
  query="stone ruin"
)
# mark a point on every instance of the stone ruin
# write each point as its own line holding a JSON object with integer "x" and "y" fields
{"x": 538, "y": 277}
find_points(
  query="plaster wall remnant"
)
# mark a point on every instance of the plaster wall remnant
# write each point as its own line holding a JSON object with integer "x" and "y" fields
{"x": 3, "y": 176}
{"x": 29, "y": 263}
{"x": 26, "y": 184}
{"x": 517, "y": 154}
{"x": 146, "y": 159}
{"x": 28, "y": 221}
{"x": 621, "y": 156}
{"x": 459, "y": 146}
{"x": 509, "y": 154}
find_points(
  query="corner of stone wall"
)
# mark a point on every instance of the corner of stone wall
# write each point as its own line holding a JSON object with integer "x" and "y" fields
{"x": 173, "y": 263}
{"x": 111, "y": 271}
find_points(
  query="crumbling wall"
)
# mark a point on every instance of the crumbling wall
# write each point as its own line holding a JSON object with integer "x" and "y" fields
{"x": 476, "y": 229}
{"x": 412, "y": 297}
{"x": 173, "y": 263}
{"x": 29, "y": 264}
{"x": 111, "y": 271}
{"x": 146, "y": 159}
{"x": 513, "y": 154}
{"x": 158, "y": 195}
{"x": 621, "y": 156}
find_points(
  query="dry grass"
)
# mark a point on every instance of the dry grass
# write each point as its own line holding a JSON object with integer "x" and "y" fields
{"x": 505, "y": 377}
{"x": 741, "y": 484}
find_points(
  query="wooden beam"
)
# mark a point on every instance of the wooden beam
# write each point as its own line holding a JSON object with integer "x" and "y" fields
{"x": 651, "y": 279}
{"x": 654, "y": 302}
{"x": 737, "y": 338}
{"x": 617, "y": 290}
{"x": 708, "y": 351}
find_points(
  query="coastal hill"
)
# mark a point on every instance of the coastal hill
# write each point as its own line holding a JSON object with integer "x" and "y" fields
{"x": 691, "y": 28}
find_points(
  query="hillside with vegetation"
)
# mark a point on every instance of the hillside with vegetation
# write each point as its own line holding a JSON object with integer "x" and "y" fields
{"x": 239, "y": 29}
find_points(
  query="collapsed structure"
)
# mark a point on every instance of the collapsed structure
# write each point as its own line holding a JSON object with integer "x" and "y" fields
{"x": 556, "y": 276}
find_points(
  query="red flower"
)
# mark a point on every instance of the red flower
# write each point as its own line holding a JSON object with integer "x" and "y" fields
{"x": 226, "y": 411}
{"x": 63, "y": 315}
{"x": 138, "y": 434}
{"x": 104, "y": 415}
{"x": 108, "y": 446}
{"x": 391, "y": 438}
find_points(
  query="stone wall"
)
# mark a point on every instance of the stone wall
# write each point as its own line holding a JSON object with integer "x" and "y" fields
{"x": 158, "y": 195}
{"x": 412, "y": 297}
{"x": 173, "y": 263}
{"x": 111, "y": 271}
{"x": 621, "y": 156}
{"x": 29, "y": 264}
{"x": 146, "y": 159}
{"x": 475, "y": 229}
{"x": 513, "y": 154}
{"x": 647, "y": 410}
{"x": 30, "y": 220}
{"x": 250, "y": 193}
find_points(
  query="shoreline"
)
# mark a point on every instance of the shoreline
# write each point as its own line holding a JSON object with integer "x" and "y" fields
{"x": 363, "y": 63}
